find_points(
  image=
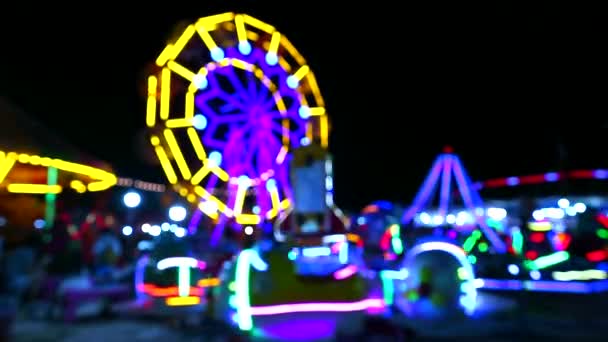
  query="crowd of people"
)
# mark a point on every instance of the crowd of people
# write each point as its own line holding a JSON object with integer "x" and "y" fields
{"x": 48, "y": 262}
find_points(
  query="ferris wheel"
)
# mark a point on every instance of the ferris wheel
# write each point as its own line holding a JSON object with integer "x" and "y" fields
{"x": 231, "y": 99}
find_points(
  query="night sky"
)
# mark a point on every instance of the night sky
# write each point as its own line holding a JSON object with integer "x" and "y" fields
{"x": 515, "y": 89}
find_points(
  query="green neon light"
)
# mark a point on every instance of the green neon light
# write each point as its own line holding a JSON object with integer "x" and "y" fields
{"x": 50, "y": 208}
{"x": 396, "y": 239}
{"x": 547, "y": 260}
{"x": 517, "y": 242}
{"x": 387, "y": 288}
{"x": 243, "y": 303}
{"x": 602, "y": 233}
{"x": 470, "y": 242}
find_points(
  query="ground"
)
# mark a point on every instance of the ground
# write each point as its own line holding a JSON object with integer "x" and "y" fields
{"x": 526, "y": 316}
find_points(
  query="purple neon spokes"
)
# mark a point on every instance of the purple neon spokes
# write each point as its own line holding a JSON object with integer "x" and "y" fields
{"x": 444, "y": 166}
{"x": 243, "y": 119}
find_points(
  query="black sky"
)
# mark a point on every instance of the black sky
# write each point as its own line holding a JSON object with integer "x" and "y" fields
{"x": 399, "y": 83}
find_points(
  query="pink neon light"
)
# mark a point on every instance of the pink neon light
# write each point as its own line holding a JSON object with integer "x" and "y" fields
{"x": 335, "y": 248}
{"x": 345, "y": 272}
{"x": 317, "y": 307}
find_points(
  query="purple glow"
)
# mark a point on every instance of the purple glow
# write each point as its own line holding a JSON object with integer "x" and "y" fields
{"x": 317, "y": 307}
{"x": 544, "y": 285}
{"x": 445, "y": 185}
{"x": 425, "y": 192}
{"x": 245, "y": 121}
{"x": 512, "y": 181}
{"x": 194, "y": 221}
{"x": 551, "y": 176}
{"x": 298, "y": 329}
{"x": 218, "y": 231}
{"x": 600, "y": 174}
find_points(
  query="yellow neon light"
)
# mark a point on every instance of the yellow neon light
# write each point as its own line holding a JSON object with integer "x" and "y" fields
{"x": 258, "y": 24}
{"x": 181, "y": 70}
{"x": 241, "y": 32}
{"x": 324, "y": 128}
{"x": 177, "y": 154}
{"x": 213, "y": 20}
{"x": 205, "y": 36}
{"x": 78, "y": 186}
{"x": 182, "y": 41}
{"x": 243, "y": 29}
{"x": 189, "y": 111}
{"x": 240, "y": 199}
{"x": 34, "y": 188}
{"x": 196, "y": 144}
{"x": 209, "y": 282}
{"x": 220, "y": 205}
{"x": 6, "y": 164}
{"x": 182, "y": 301}
{"x": 274, "y": 42}
{"x": 540, "y": 226}
{"x": 292, "y": 50}
{"x": 151, "y": 101}
{"x": 211, "y": 213}
{"x": 178, "y": 123}
{"x": 304, "y": 69}
{"x": 164, "y": 55}
{"x": 200, "y": 174}
{"x": 100, "y": 179}
{"x": 316, "y": 111}
{"x": 248, "y": 219}
{"x": 165, "y": 163}
{"x": 165, "y": 93}
{"x": 314, "y": 88}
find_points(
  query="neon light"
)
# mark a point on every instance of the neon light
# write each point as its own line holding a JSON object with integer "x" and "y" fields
{"x": 334, "y": 238}
{"x": 315, "y": 252}
{"x": 396, "y": 242}
{"x": 251, "y": 95}
{"x": 542, "y": 178}
{"x": 580, "y": 275}
{"x": 209, "y": 282}
{"x": 243, "y": 306}
{"x": 140, "y": 268}
{"x": 540, "y": 226}
{"x": 155, "y": 291}
{"x": 468, "y": 299}
{"x": 544, "y": 285}
{"x": 446, "y": 181}
{"x": 547, "y": 260}
{"x": 183, "y": 281}
{"x": 100, "y": 179}
{"x": 318, "y": 307}
{"x": 391, "y": 274}
{"x": 183, "y": 265}
{"x": 470, "y": 197}
{"x": 182, "y": 301}
{"x": 343, "y": 253}
{"x": 49, "y": 210}
{"x": 602, "y": 233}
{"x": 345, "y": 272}
{"x": 180, "y": 261}
{"x": 597, "y": 256}
{"x": 388, "y": 288}
{"x": 470, "y": 242}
